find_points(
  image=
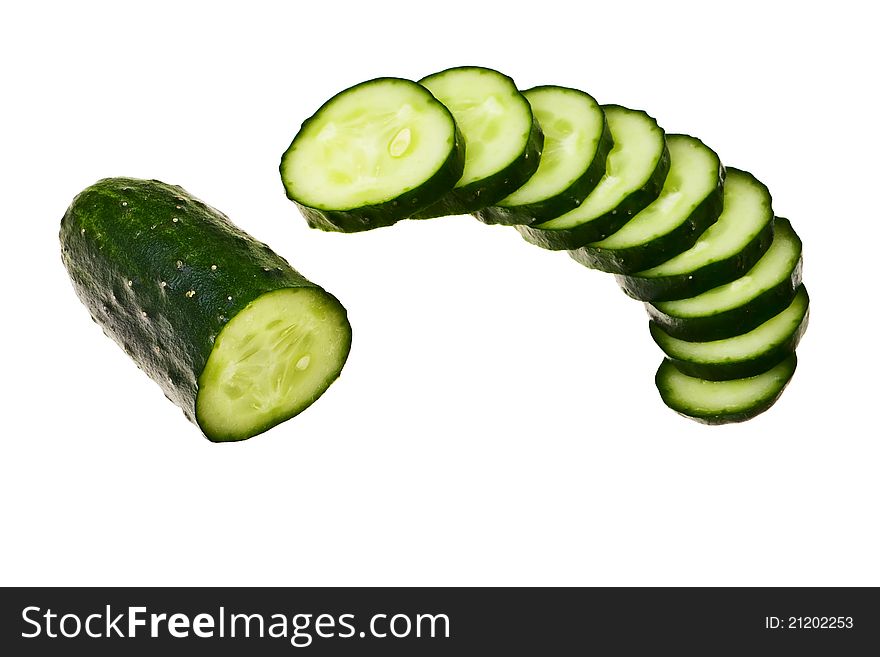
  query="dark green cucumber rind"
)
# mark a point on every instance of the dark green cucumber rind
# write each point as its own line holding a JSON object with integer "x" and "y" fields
{"x": 609, "y": 223}
{"x": 735, "y": 321}
{"x": 659, "y": 250}
{"x": 690, "y": 284}
{"x": 741, "y": 369}
{"x": 728, "y": 418}
{"x": 559, "y": 204}
{"x": 491, "y": 189}
{"x": 119, "y": 243}
{"x": 390, "y": 212}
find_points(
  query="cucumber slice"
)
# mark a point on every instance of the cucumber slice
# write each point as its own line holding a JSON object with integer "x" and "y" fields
{"x": 721, "y": 402}
{"x": 372, "y": 155}
{"x": 232, "y": 334}
{"x": 726, "y": 251}
{"x": 576, "y": 145}
{"x": 503, "y": 140}
{"x": 689, "y": 203}
{"x": 635, "y": 171}
{"x": 741, "y": 305}
{"x": 743, "y": 355}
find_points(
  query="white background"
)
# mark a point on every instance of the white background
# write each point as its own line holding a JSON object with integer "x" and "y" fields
{"x": 497, "y": 422}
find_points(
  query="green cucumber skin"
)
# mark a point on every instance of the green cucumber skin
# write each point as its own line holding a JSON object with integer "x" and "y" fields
{"x": 735, "y": 321}
{"x": 609, "y": 223}
{"x": 119, "y": 243}
{"x": 738, "y": 369}
{"x": 388, "y": 213}
{"x": 727, "y": 418}
{"x": 690, "y": 284}
{"x": 567, "y": 200}
{"x": 482, "y": 193}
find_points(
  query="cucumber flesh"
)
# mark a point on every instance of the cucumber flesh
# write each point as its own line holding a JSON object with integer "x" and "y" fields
{"x": 742, "y": 355}
{"x": 721, "y": 402}
{"x": 724, "y": 252}
{"x": 635, "y": 171}
{"x": 576, "y": 144}
{"x": 689, "y": 203}
{"x": 372, "y": 155}
{"x": 741, "y": 305}
{"x": 503, "y": 140}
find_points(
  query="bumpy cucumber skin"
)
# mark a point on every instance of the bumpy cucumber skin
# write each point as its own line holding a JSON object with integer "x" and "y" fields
{"x": 390, "y": 212}
{"x": 659, "y": 250}
{"x": 566, "y": 200}
{"x": 690, "y": 284}
{"x": 162, "y": 273}
{"x": 724, "y": 371}
{"x": 491, "y": 189}
{"x": 607, "y": 224}
{"x": 720, "y": 418}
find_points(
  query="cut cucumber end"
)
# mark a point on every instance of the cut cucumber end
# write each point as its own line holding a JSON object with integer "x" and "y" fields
{"x": 271, "y": 361}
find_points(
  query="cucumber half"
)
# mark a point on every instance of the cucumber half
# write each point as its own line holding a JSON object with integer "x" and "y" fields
{"x": 742, "y": 355}
{"x": 372, "y": 155}
{"x": 689, "y": 203}
{"x": 741, "y": 305}
{"x": 503, "y": 140}
{"x": 721, "y": 402}
{"x": 576, "y": 144}
{"x": 635, "y": 171}
{"x": 727, "y": 250}
{"x": 233, "y": 335}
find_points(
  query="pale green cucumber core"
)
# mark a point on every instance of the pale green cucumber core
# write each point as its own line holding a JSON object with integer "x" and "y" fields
{"x": 773, "y": 267}
{"x": 272, "y": 360}
{"x": 491, "y": 114}
{"x": 638, "y": 146}
{"x": 768, "y": 335}
{"x": 702, "y": 397}
{"x": 693, "y": 175}
{"x": 746, "y": 211}
{"x": 572, "y": 123}
{"x": 368, "y": 145}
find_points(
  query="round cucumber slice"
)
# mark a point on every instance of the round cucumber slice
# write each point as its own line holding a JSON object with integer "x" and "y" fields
{"x": 271, "y": 361}
{"x": 373, "y": 154}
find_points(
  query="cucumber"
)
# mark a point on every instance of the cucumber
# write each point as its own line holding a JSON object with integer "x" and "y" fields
{"x": 372, "y": 155}
{"x": 726, "y": 251}
{"x": 721, "y": 402}
{"x": 635, "y": 171}
{"x": 503, "y": 140}
{"x": 231, "y": 333}
{"x": 741, "y": 305}
{"x": 742, "y": 355}
{"x": 576, "y": 145}
{"x": 689, "y": 203}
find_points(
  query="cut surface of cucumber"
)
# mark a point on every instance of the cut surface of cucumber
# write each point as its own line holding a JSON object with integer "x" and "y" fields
{"x": 576, "y": 144}
{"x": 721, "y": 402}
{"x": 272, "y": 360}
{"x": 503, "y": 140}
{"x": 743, "y": 304}
{"x": 743, "y": 355}
{"x": 689, "y": 203}
{"x": 635, "y": 171}
{"x": 724, "y": 252}
{"x": 372, "y": 155}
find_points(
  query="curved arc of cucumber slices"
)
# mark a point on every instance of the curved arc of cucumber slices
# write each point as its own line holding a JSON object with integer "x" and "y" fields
{"x": 741, "y": 305}
{"x": 387, "y": 149}
{"x": 724, "y": 252}
{"x": 503, "y": 140}
{"x": 634, "y": 175}
{"x": 722, "y": 402}
{"x": 743, "y": 355}
{"x": 576, "y": 144}
{"x": 690, "y": 202}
